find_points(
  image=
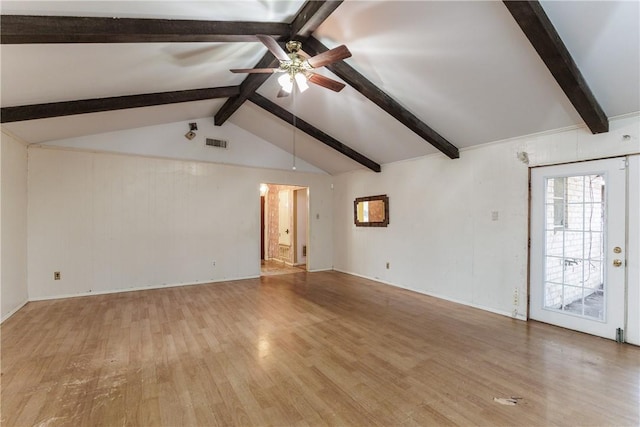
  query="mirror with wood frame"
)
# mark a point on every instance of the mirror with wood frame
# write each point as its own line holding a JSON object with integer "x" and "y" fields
{"x": 371, "y": 211}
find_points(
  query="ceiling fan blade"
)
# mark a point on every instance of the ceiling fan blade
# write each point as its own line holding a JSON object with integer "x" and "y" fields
{"x": 273, "y": 47}
{"x": 255, "y": 70}
{"x": 332, "y": 55}
{"x": 323, "y": 81}
{"x": 304, "y": 54}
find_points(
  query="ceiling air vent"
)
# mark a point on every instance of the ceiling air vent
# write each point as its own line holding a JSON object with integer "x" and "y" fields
{"x": 220, "y": 143}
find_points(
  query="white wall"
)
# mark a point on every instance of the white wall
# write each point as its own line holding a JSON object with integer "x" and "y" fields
{"x": 442, "y": 238}
{"x": 13, "y": 225}
{"x": 111, "y": 222}
{"x": 168, "y": 141}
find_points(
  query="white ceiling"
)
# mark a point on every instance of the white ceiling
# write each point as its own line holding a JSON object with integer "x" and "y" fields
{"x": 464, "y": 68}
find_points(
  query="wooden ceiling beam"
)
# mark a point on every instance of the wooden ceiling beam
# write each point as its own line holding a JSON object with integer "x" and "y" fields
{"x": 24, "y": 29}
{"x": 360, "y": 83}
{"x": 308, "y": 19}
{"x": 311, "y": 15}
{"x": 310, "y": 130}
{"x": 68, "y": 108}
{"x": 535, "y": 24}
{"x": 247, "y": 88}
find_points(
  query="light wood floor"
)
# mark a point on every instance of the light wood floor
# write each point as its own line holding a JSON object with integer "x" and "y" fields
{"x": 275, "y": 267}
{"x": 303, "y": 349}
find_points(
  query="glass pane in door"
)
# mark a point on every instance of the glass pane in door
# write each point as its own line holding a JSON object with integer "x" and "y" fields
{"x": 574, "y": 245}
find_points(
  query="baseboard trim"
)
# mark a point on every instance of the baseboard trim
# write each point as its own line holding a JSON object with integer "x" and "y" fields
{"x": 201, "y": 282}
{"x": 14, "y": 311}
{"x": 443, "y": 297}
{"x": 140, "y": 288}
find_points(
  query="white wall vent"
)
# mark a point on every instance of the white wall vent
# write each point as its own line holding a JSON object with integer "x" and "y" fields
{"x": 220, "y": 143}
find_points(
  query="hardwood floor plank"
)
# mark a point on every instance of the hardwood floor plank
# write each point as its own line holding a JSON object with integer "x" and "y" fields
{"x": 303, "y": 349}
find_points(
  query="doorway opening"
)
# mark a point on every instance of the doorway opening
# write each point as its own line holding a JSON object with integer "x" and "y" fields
{"x": 284, "y": 235}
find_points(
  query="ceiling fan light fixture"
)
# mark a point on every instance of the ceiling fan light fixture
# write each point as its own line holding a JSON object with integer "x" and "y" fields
{"x": 286, "y": 83}
{"x": 297, "y": 68}
{"x": 301, "y": 81}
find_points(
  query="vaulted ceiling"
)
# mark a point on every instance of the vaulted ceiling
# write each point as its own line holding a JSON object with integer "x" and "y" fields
{"x": 425, "y": 76}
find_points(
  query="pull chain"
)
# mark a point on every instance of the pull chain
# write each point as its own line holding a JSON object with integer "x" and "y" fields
{"x": 293, "y": 101}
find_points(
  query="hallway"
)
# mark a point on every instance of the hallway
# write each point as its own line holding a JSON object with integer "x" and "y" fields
{"x": 275, "y": 267}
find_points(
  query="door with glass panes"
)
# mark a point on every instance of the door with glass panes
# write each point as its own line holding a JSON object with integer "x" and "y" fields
{"x": 578, "y": 220}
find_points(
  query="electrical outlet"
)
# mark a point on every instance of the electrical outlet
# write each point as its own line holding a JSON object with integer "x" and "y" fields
{"x": 387, "y": 265}
{"x": 56, "y": 275}
{"x": 214, "y": 263}
{"x": 516, "y": 297}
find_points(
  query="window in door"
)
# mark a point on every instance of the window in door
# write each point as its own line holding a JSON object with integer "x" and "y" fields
{"x": 574, "y": 245}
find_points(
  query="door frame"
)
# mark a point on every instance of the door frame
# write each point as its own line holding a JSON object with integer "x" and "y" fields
{"x": 262, "y": 227}
{"x": 632, "y": 320}
{"x": 297, "y": 217}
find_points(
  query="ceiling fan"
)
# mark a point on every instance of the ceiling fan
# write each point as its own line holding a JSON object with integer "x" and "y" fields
{"x": 299, "y": 67}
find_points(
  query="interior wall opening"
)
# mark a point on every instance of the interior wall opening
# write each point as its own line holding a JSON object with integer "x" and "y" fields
{"x": 284, "y": 231}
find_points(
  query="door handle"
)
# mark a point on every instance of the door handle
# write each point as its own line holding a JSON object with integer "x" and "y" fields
{"x": 617, "y": 263}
